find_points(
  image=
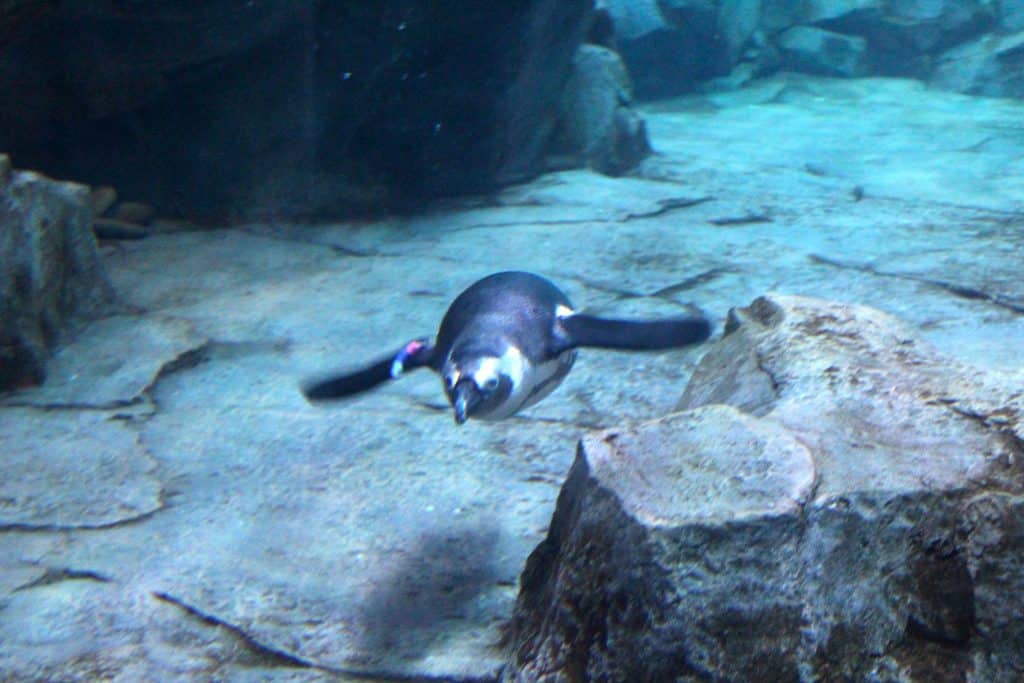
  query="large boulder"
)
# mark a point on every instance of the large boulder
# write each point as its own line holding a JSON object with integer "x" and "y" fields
{"x": 50, "y": 272}
{"x": 817, "y": 51}
{"x": 835, "y": 501}
{"x": 596, "y": 124}
{"x": 668, "y": 45}
{"x": 992, "y": 65}
{"x": 234, "y": 108}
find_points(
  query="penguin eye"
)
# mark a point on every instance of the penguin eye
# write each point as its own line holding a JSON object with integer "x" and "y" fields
{"x": 491, "y": 384}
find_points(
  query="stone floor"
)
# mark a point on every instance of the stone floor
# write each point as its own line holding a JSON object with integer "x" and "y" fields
{"x": 173, "y": 510}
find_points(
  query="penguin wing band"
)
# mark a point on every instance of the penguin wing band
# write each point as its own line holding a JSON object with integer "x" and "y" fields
{"x": 416, "y": 354}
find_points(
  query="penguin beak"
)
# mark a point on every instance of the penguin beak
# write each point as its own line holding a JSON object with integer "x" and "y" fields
{"x": 465, "y": 397}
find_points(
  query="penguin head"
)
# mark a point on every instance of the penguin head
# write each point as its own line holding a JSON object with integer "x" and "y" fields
{"x": 482, "y": 384}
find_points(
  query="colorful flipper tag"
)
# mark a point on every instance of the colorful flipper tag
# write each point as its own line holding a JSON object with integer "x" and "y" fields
{"x": 398, "y": 365}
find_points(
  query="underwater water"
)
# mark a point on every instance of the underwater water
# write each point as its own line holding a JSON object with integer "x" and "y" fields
{"x": 171, "y": 505}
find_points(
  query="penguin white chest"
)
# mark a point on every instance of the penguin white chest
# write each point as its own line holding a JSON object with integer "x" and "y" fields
{"x": 534, "y": 381}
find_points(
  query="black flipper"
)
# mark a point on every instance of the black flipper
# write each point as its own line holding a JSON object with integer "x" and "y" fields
{"x": 416, "y": 354}
{"x": 635, "y": 335}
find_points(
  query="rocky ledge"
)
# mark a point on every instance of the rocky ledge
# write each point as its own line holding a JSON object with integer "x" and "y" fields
{"x": 835, "y": 501}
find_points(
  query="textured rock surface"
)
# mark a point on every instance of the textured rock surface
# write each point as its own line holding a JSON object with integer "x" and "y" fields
{"x": 815, "y": 50}
{"x": 993, "y": 65}
{"x": 91, "y": 472}
{"x": 238, "y": 108}
{"x": 49, "y": 269}
{"x": 1011, "y": 15}
{"x": 595, "y": 120}
{"x": 668, "y": 46}
{"x": 859, "y": 519}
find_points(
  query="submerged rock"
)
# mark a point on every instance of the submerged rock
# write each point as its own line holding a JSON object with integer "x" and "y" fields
{"x": 1011, "y": 15}
{"x": 993, "y": 65}
{"x": 814, "y": 50}
{"x": 50, "y": 272}
{"x": 596, "y": 122}
{"x": 836, "y": 501}
{"x": 669, "y": 46}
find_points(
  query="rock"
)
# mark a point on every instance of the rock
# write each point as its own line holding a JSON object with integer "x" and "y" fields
{"x": 114, "y": 229}
{"x": 668, "y": 46}
{"x": 814, "y": 50}
{"x": 50, "y": 273}
{"x": 902, "y": 36}
{"x": 753, "y": 29}
{"x": 288, "y": 108}
{"x": 992, "y": 65}
{"x": 1010, "y": 15}
{"x": 102, "y": 198}
{"x": 134, "y": 212}
{"x": 836, "y": 501}
{"x": 595, "y": 119}
{"x": 738, "y": 21}
{"x": 779, "y": 15}
{"x": 90, "y": 473}
{"x": 906, "y": 37}
{"x": 836, "y": 12}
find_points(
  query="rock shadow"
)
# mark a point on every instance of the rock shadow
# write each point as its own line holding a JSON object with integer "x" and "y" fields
{"x": 429, "y": 593}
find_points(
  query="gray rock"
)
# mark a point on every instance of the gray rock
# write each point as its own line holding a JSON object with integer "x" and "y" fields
{"x": 932, "y": 25}
{"x": 668, "y": 46}
{"x": 738, "y": 20}
{"x": 992, "y": 65}
{"x": 890, "y": 37}
{"x": 814, "y": 50}
{"x": 635, "y": 19}
{"x": 596, "y": 121}
{"x": 908, "y": 34}
{"x": 50, "y": 273}
{"x": 837, "y": 501}
{"x": 842, "y": 10}
{"x": 778, "y": 15}
{"x": 1010, "y": 15}
{"x": 752, "y": 31}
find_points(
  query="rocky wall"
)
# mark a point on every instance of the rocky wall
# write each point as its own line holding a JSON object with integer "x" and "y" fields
{"x": 675, "y": 46}
{"x": 233, "y": 109}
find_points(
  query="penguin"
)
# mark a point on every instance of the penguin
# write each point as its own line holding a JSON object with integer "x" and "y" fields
{"x": 504, "y": 344}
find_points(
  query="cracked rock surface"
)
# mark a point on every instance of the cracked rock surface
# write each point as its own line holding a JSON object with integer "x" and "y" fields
{"x": 855, "y": 524}
{"x": 221, "y": 528}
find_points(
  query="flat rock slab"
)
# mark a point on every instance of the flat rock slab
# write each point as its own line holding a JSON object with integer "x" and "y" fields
{"x": 889, "y": 399}
{"x": 89, "y": 472}
{"x": 113, "y": 362}
{"x": 727, "y": 467}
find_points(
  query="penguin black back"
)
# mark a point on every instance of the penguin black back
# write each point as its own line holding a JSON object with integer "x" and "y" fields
{"x": 511, "y": 303}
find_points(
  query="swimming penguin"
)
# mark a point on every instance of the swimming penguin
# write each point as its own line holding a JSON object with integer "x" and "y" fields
{"x": 507, "y": 342}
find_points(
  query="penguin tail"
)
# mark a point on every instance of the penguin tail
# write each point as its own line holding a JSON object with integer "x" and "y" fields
{"x": 416, "y": 354}
{"x": 636, "y": 335}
